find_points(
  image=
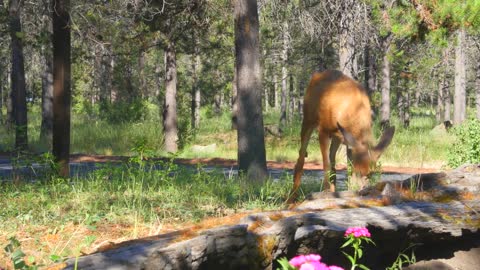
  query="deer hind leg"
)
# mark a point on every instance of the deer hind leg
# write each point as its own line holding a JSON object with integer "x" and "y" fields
{"x": 306, "y": 133}
{"x": 332, "y": 173}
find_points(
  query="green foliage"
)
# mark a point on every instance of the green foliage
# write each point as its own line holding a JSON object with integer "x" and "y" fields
{"x": 150, "y": 190}
{"x": 14, "y": 251}
{"x": 466, "y": 148}
{"x": 285, "y": 265}
{"x": 124, "y": 111}
{"x": 404, "y": 259}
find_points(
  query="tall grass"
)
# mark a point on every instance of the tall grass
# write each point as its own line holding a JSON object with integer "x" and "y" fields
{"x": 53, "y": 216}
{"x": 415, "y": 146}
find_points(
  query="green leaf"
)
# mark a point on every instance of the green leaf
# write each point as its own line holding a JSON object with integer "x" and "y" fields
{"x": 363, "y": 266}
{"x": 348, "y": 242}
{"x": 55, "y": 258}
{"x": 285, "y": 265}
{"x": 350, "y": 258}
{"x": 360, "y": 253}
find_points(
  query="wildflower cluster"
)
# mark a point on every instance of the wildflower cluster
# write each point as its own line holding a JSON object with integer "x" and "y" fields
{"x": 354, "y": 237}
{"x": 357, "y": 232}
{"x": 306, "y": 262}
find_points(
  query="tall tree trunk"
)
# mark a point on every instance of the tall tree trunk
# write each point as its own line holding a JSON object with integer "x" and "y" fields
{"x": 460, "y": 98}
{"x": 106, "y": 75}
{"x": 10, "y": 121}
{"x": 235, "y": 97}
{"x": 275, "y": 90}
{"x": 266, "y": 99}
{"x": 195, "y": 108}
{"x": 447, "y": 100}
{"x": 250, "y": 132}
{"x": 170, "y": 128}
{"x": 283, "y": 102}
{"x": 406, "y": 106}
{"x": 143, "y": 91}
{"x": 112, "y": 87}
{"x": 46, "y": 129}
{"x": 401, "y": 101}
{"x": 385, "y": 85}
{"x": 440, "y": 115}
{"x": 292, "y": 99}
{"x": 347, "y": 60}
{"x": 158, "y": 79}
{"x": 18, "y": 93}
{"x": 370, "y": 72}
{"x": 217, "y": 103}
{"x": 417, "y": 99}
{"x": 61, "y": 84}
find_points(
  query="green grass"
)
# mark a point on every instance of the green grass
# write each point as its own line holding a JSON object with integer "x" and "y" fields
{"x": 416, "y": 146}
{"x": 54, "y": 218}
{"x": 134, "y": 196}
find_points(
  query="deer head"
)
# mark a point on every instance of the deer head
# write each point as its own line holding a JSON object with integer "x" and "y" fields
{"x": 365, "y": 156}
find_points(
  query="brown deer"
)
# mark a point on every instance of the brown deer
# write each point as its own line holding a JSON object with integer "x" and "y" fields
{"x": 339, "y": 108}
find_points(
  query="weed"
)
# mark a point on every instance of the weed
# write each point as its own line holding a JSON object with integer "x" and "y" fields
{"x": 403, "y": 259}
{"x": 466, "y": 148}
{"x": 14, "y": 251}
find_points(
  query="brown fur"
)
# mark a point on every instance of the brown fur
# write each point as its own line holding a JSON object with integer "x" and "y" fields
{"x": 339, "y": 108}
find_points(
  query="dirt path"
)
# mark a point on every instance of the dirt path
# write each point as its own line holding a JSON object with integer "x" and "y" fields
{"x": 221, "y": 162}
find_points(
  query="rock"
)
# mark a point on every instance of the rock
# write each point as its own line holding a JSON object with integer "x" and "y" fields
{"x": 449, "y": 232}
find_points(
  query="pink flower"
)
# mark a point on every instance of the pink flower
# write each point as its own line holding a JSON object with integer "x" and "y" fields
{"x": 308, "y": 262}
{"x": 357, "y": 232}
{"x": 315, "y": 265}
{"x": 334, "y": 267}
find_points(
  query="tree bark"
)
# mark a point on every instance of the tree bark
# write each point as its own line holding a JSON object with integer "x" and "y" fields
{"x": 385, "y": 85}
{"x": 369, "y": 74}
{"x": 170, "y": 128}
{"x": 347, "y": 60}
{"x": 234, "y": 97}
{"x": 283, "y": 102}
{"x": 406, "y": 106}
{"x": 143, "y": 91}
{"x": 46, "y": 129}
{"x": 275, "y": 90}
{"x": 196, "y": 95}
{"x": 440, "y": 115}
{"x": 460, "y": 98}
{"x": 292, "y": 100}
{"x": 250, "y": 132}
{"x": 18, "y": 94}
{"x": 447, "y": 100}
{"x": 10, "y": 121}
{"x": 61, "y": 84}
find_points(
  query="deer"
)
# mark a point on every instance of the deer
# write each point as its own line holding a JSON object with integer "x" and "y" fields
{"x": 339, "y": 108}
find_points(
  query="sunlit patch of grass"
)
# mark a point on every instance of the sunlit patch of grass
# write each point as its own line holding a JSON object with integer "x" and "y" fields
{"x": 132, "y": 200}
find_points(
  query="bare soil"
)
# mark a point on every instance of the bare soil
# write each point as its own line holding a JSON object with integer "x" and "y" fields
{"x": 221, "y": 162}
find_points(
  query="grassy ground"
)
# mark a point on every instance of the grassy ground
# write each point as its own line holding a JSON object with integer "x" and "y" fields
{"x": 53, "y": 219}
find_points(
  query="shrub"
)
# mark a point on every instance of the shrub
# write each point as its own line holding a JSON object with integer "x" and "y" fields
{"x": 466, "y": 148}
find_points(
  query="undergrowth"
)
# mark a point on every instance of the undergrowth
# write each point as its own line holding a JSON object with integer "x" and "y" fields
{"x": 52, "y": 218}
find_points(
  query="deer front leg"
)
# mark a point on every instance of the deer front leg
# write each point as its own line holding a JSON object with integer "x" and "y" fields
{"x": 333, "y": 173}
{"x": 324, "y": 141}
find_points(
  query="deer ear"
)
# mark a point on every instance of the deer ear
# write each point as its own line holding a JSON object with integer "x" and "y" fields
{"x": 347, "y": 136}
{"x": 384, "y": 141}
